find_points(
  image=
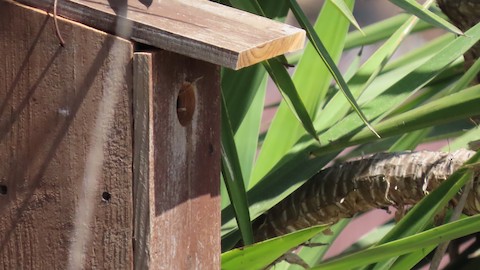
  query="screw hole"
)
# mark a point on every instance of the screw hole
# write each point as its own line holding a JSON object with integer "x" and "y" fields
{"x": 106, "y": 196}
{"x": 3, "y": 190}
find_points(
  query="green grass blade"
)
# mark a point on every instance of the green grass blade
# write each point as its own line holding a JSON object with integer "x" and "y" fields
{"x": 233, "y": 178}
{"x": 463, "y": 141}
{"x": 370, "y": 238}
{"x": 244, "y": 93}
{"x": 246, "y": 134}
{"x": 456, "y": 106}
{"x": 354, "y": 66}
{"x": 284, "y": 83}
{"x": 314, "y": 255}
{"x": 380, "y": 31}
{"x": 329, "y": 63}
{"x": 246, "y": 137}
{"x": 336, "y": 109}
{"x": 466, "y": 79}
{"x": 426, "y": 15}
{"x": 436, "y": 63}
{"x": 343, "y": 7}
{"x": 261, "y": 255}
{"x": 405, "y": 245}
{"x": 312, "y": 81}
{"x": 239, "y": 88}
{"x": 409, "y": 141}
{"x": 408, "y": 261}
{"x": 440, "y": 132}
{"x": 425, "y": 51}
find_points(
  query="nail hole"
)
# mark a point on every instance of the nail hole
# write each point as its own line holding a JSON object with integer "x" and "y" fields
{"x": 3, "y": 190}
{"x": 106, "y": 196}
{"x": 186, "y": 102}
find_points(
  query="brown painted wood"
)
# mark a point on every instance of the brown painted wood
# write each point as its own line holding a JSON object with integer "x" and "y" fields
{"x": 197, "y": 28}
{"x": 177, "y": 206}
{"x": 49, "y": 102}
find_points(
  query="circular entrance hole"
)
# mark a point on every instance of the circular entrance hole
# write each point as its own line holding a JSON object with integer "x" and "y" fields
{"x": 186, "y": 103}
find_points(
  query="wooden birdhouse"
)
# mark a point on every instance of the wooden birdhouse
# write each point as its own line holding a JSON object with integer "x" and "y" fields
{"x": 109, "y": 143}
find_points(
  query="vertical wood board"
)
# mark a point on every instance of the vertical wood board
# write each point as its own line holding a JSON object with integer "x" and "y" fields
{"x": 49, "y": 102}
{"x": 179, "y": 226}
{"x": 143, "y": 158}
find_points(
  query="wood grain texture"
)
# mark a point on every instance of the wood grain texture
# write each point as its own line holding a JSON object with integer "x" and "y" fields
{"x": 143, "y": 158}
{"x": 49, "y": 98}
{"x": 177, "y": 206}
{"x": 197, "y": 28}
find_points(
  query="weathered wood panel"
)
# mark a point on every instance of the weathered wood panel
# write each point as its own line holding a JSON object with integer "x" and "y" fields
{"x": 177, "y": 206}
{"x": 197, "y": 28}
{"x": 49, "y": 103}
{"x": 143, "y": 164}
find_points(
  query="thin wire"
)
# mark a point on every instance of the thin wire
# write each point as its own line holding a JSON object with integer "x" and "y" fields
{"x": 57, "y": 30}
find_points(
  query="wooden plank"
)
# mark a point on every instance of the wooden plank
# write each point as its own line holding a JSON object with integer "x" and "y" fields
{"x": 177, "y": 205}
{"x": 143, "y": 164}
{"x": 49, "y": 103}
{"x": 197, "y": 28}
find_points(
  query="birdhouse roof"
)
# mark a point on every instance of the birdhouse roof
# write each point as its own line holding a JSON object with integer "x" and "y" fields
{"x": 197, "y": 28}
